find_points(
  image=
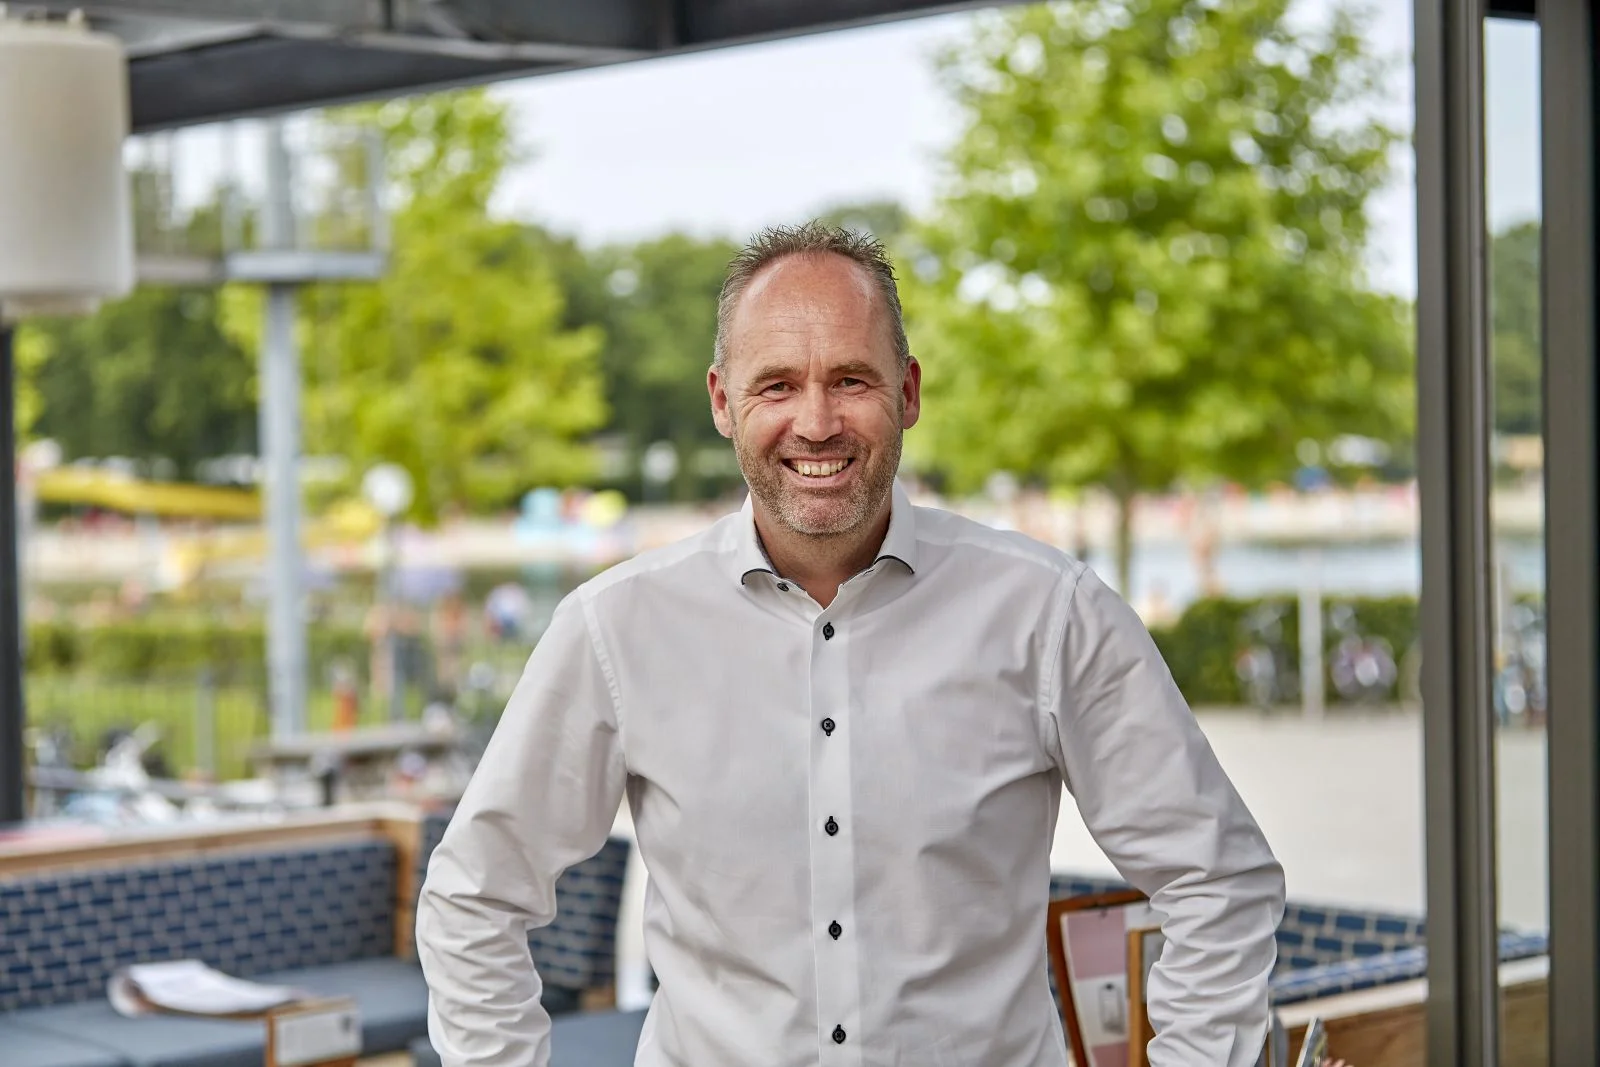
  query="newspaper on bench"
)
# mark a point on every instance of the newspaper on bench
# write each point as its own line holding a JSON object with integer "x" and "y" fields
{"x": 191, "y": 988}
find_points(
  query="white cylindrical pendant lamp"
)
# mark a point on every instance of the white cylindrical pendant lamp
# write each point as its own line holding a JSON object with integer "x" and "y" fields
{"x": 66, "y": 231}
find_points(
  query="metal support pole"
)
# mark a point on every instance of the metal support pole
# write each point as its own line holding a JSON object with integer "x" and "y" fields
{"x": 1453, "y": 411}
{"x": 391, "y": 602}
{"x": 280, "y": 444}
{"x": 280, "y": 451}
{"x": 1570, "y": 48}
{"x": 13, "y": 762}
{"x": 1313, "y": 697}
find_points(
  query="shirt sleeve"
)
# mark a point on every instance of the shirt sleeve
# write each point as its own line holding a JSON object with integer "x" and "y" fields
{"x": 543, "y": 798}
{"x": 1158, "y": 803}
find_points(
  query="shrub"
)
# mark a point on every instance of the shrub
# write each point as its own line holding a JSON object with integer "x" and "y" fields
{"x": 1202, "y": 646}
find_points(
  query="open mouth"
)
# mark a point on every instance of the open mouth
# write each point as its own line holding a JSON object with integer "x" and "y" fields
{"x": 819, "y": 470}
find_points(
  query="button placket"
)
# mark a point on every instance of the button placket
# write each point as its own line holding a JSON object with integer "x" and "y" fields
{"x": 833, "y": 861}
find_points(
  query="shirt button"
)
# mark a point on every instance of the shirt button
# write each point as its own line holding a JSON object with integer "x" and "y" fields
{"x": 834, "y": 930}
{"x": 827, "y": 631}
{"x": 784, "y": 586}
{"x": 838, "y": 1035}
{"x": 831, "y": 826}
{"x": 827, "y": 726}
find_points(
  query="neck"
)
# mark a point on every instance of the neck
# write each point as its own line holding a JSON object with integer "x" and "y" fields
{"x": 820, "y": 565}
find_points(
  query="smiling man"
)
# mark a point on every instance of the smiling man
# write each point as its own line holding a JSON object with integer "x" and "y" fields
{"x": 843, "y": 724}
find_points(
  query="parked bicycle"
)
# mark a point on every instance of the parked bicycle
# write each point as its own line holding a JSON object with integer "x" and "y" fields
{"x": 1520, "y": 695}
{"x": 1265, "y": 663}
{"x": 1361, "y": 666}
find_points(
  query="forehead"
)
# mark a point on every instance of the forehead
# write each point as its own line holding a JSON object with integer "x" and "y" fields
{"x": 811, "y": 305}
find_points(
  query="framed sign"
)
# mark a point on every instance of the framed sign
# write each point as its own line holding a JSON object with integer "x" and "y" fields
{"x": 1144, "y": 948}
{"x": 1089, "y": 939}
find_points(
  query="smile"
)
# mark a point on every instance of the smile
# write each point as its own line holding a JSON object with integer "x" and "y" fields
{"x": 817, "y": 468}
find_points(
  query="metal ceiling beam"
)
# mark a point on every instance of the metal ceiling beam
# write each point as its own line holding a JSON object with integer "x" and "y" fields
{"x": 338, "y": 14}
{"x": 151, "y": 37}
{"x": 194, "y": 61}
{"x": 625, "y": 25}
{"x": 269, "y": 74}
{"x": 719, "y": 22}
{"x": 665, "y": 25}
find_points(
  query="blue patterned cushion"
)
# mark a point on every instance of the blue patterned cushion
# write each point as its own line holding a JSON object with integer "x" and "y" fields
{"x": 1347, "y": 976}
{"x": 1312, "y": 935}
{"x": 1078, "y": 885}
{"x": 1324, "y": 951}
{"x": 62, "y": 934}
{"x": 1368, "y": 971}
{"x": 578, "y": 950}
{"x": 429, "y": 834}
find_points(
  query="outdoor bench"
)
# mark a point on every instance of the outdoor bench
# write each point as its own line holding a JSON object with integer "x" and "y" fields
{"x": 1326, "y": 951}
{"x": 324, "y": 903}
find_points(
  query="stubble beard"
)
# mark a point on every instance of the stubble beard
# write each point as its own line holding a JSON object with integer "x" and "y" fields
{"x": 816, "y": 515}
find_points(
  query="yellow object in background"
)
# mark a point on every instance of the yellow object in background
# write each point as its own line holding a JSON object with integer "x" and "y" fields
{"x": 74, "y": 485}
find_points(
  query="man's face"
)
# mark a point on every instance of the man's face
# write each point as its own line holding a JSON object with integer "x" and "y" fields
{"x": 813, "y": 396}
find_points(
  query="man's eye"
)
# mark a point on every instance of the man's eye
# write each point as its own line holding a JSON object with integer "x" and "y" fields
{"x": 777, "y": 387}
{"x": 851, "y": 383}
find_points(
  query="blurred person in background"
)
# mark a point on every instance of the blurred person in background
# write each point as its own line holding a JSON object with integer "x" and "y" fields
{"x": 843, "y": 724}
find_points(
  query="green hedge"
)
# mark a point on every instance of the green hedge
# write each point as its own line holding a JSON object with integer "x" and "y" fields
{"x": 1201, "y": 647}
{"x": 134, "y": 651}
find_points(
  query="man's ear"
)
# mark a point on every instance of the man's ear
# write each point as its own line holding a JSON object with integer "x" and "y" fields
{"x": 716, "y": 385}
{"x": 911, "y": 393}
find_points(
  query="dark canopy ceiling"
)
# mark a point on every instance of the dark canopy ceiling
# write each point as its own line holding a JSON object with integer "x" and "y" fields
{"x": 197, "y": 60}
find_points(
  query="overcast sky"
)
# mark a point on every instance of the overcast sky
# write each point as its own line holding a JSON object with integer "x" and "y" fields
{"x": 725, "y": 142}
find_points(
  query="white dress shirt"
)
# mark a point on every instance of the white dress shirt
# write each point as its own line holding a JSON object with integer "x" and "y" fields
{"x": 846, "y": 813}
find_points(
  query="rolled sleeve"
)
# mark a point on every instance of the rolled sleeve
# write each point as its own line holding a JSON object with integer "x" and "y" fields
{"x": 1158, "y": 803}
{"x": 543, "y": 798}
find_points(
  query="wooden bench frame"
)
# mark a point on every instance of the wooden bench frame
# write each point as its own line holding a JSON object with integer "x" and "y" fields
{"x": 400, "y": 824}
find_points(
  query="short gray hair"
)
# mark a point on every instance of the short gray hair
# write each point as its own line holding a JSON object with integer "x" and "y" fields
{"x": 811, "y": 238}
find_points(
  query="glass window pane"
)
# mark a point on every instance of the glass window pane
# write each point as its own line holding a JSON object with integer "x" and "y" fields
{"x": 1511, "y": 85}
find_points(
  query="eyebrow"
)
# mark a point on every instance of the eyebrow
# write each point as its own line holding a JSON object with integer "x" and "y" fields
{"x": 854, "y": 368}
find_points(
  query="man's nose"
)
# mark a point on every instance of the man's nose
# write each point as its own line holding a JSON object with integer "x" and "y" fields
{"x": 819, "y": 418}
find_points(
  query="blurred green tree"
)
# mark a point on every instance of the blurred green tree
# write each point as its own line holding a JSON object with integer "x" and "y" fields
{"x": 656, "y": 302}
{"x": 457, "y": 363}
{"x": 1514, "y": 314}
{"x": 1147, "y": 266}
{"x": 151, "y": 376}
{"x": 887, "y": 220}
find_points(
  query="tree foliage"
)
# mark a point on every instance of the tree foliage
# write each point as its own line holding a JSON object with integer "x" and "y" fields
{"x": 148, "y": 377}
{"x": 887, "y": 220}
{"x": 655, "y": 302}
{"x": 456, "y": 363}
{"x": 1148, "y": 264}
{"x": 1514, "y": 313}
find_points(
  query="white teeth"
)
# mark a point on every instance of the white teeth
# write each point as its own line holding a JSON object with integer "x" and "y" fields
{"x": 820, "y": 470}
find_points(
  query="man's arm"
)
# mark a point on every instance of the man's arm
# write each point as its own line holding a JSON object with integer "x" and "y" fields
{"x": 1159, "y": 804}
{"x": 543, "y": 798}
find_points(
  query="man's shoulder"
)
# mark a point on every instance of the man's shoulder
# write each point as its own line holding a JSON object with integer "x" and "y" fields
{"x": 996, "y": 546}
{"x": 691, "y": 559}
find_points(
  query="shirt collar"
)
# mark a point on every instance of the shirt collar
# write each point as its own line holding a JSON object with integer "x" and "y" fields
{"x": 900, "y": 543}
